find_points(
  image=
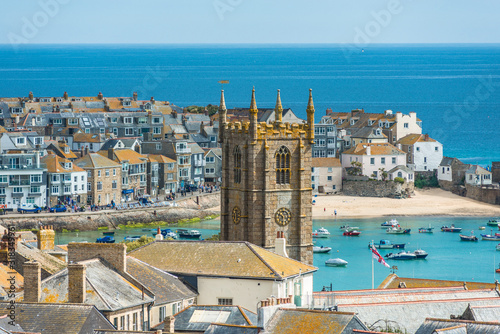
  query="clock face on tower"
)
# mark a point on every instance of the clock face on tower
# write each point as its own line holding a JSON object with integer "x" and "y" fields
{"x": 236, "y": 215}
{"x": 282, "y": 216}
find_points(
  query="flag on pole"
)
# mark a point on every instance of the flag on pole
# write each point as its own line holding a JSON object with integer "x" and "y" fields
{"x": 376, "y": 255}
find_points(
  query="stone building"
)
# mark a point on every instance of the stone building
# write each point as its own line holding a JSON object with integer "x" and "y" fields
{"x": 266, "y": 180}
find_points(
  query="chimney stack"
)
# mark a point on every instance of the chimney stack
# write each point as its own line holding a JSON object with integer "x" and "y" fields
{"x": 31, "y": 96}
{"x": 76, "y": 283}
{"x": 159, "y": 236}
{"x": 111, "y": 153}
{"x": 280, "y": 244}
{"x": 32, "y": 281}
{"x": 153, "y": 100}
{"x": 368, "y": 149}
{"x": 426, "y": 137}
{"x": 45, "y": 238}
{"x": 169, "y": 324}
{"x": 100, "y": 96}
{"x": 65, "y": 96}
{"x": 174, "y": 114}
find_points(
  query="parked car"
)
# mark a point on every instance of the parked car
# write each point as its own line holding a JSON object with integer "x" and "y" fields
{"x": 28, "y": 207}
{"x": 58, "y": 208}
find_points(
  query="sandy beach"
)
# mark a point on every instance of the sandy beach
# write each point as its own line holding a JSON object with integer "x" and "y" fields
{"x": 431, "y": 202}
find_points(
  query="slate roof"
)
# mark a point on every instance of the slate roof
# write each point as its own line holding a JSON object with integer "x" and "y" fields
{"x": 326, "y": 162}
{"x": 160, "y": 158}
{"x": 197, "y": 318}
{"x": 376, "y": 149}
{"x": 88, "y": 138}
{"x": 167, "y": 288}
{"x": 303, "y": 321}
{"x": 477, "y": 170}
{"x": 237, "y": 259}
{"x": 48, "y": 262}
{"x": 195, "y": 148}
{"x": 400, "y": 167}
{"x": 231, "y": 329}
{"x": 432, "y": 325}
{"x": 367, "y": 132}
{"x": 485, "y": 313}
{"x": 95, "y": 160}
{"x": 448, "y": 161}
{"x": 58, "y": 318}
{"x": 393, "y": 281}
{"x": 107, "y": 289}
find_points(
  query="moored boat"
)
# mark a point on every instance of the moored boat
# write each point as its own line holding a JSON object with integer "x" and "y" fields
{"x": 321, "y": 249}
{"x": 132, "y": 238}
{"x": 336, "y": 262}
{"x": 426, "y": 229}
{"x": 398, "y": 230}
{"x": 349, "y": 228}
{"x": 491, "y": 237}
{"x": 494, "y": 222}
{"x": 470, "y": 237}
{"x": 498, "y": 247}
{"x": 420, "y": 254}
{"x": 108, "y": 233}
{"x": 189, "y": 234}
{"x": 401, "y": 256}
{"x": 451, "y": 228}
{"x": 105, "y": 240}
{"x": 387, "y": 244}
{"x": 392, "y": 222}
{"x": 321, "y": 233}
{"x": 351, "y": 233}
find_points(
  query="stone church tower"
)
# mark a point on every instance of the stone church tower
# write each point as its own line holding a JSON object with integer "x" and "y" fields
{"x": 266, "y": 180}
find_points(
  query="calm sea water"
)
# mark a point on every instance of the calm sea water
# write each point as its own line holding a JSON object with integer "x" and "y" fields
{"x": 455, "y": 90}
{"x": 449, "y": 258}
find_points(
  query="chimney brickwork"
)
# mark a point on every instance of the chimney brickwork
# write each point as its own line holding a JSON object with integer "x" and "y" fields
{"x": 169, "y": 324}
{"x": 115, "y": 254}
{"x": 45, "y": 238}
{"x": 32, "y": 282}
{"x": 76, "y": 283}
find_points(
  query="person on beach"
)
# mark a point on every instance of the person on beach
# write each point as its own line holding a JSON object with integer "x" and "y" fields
{"x": 335, "y": 212}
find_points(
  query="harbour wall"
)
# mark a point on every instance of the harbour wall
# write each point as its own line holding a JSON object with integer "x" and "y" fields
{"x": 193, "y": 207}
{"x": 373, "y": 188}
{"x": 486, "y": 195}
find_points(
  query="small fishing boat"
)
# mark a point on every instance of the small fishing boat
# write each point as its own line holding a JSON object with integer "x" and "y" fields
{"x": 498, "y": 270}
{"x": 491, "y": 237}
{"x": 494, "y": 222}
{"x": 108, "y": 233}
{"x": 401, "y": 256}
{"x": 351, "y": 233}
{"x": 132, "y": 238}
{"x": 451, "y": 228}
{"x": 189, "y": 234}
{"x": 498, "y": 247}
{"x": 426, "y": 229}
{"x": 349, "y": 228}
{"x": 392, "y": 222}
{"x": 105, "y": 240}
{"x": 321, "y": 249}
{"x": 336, "y": 262}
{"x": 470, "y": 237}
{"x": 387, "y": 244}
{"x": 321, "y": 233}
{"x": 420, "y": 254}
{"x": 482, "y": 228}
{"x": 398, "y": 230}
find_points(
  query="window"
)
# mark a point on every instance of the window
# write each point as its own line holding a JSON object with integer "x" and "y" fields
{"x": 55, "y": 190}
{"x": 17, "y": 190}
{"x": 436, "y": 149}
{"x": 57, "y": 121}
{"x": 30, "y": 200}
{"x": 2, "y": 191}
{"x": 406, "y": 126}
{"x": 134, "y": 322}
{"x": 102, "y": 130}
{"x": 425, "y": 159}
{"x": 158, "y": 147}
{"x": 170, "y": 176}
{"x": 213, "y": 139}
{"x": 237, "y": 165}
{"x": 418, "y": 149}
{"x": 375, "y": 174}
{"x": 75, "y": 187}
{"x": 393, "y": 160}
{"x": 319, "y": 130}
{"x": 122, "y": 320}
{"x": 283, "y": 165}
{"x": 209, "y": 170}
{"x": 99, "y": 173}
{"x": 329, "y": 178}
{"x": 184, "y": 160}
{"x": 224, "y": 301}
{"x": 129, "y": 131}
{"x": 170, "y": 166}
{"x": 125, "y": 167}
{"x": 34, "y": 190}
{"x": 128, "y": 120}
{"x": 2, "y": 200}
{"x": 163, "y": 312}
{"x": 83, "y": 187}
{"x": 210, "y": 159}
{"x": 21, "y": 141}
{"x": 156, "y": 120}
{"x": 107, "y": 172}
{"x": 89, "y": 186}
{"x": 115, "y": 131}
{"x": 372, "y": 161}
{"x": 113, "y": 185}
{"x": 55, "y": 178}
{"x": 330, "y": 170}
{"x": 334, "y": 187}
{"x": 67, "y": 189}
{"x": 400, "y": 174}
{"x": 382, "y": 161}
{"x": 156, "y": 131}
{"x": 72, "y": 121}
{"x": 125, "y": 180}
{"x": 33, "y": 178}
{"x": 99, "y": 185}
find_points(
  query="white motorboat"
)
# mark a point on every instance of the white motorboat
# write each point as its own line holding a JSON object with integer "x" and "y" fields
{"x": 348, "y": 228}
{"x": 321, "y": 249}
{"x": 336, "y": 262}
{"x": 321, "y": 233}
{"x": 398, "y": 230}
{"x": 420, "y": 254}
{"x": 392, "y": 222}
{"x": 401, "y": 256}
{"x": 498, "y": 247}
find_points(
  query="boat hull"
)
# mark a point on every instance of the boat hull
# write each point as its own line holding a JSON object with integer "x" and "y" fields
{"x": 321, "y": 250}
{"x": 468, "y": 238}
{"x": 336, "y": 263}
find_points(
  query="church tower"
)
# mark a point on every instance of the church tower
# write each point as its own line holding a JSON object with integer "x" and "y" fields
{"x": 266, "y": 180}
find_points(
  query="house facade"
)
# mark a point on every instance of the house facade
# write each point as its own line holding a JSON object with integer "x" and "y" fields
{"x": 478, "y": 176}
{"x": 213, "y": 167}
{"x": 326, "y": 175}
{"x": 422, "y": 152}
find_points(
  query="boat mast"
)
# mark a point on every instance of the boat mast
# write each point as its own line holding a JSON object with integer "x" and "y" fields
{"x": 373, "y": 276}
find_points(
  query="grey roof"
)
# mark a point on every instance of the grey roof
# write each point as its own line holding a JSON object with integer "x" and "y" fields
{"x": 401, "y": 167}
{"x": 217, "y": 151}
{"x": 367, "y": 132}
{"x": 231, "y": 329}
{"x": 230, "y": 315}
{"x": 195, "y": 148}
{"x": 178, "y": 128}
{"x": 485, "y": 313}
{"x": 57, "y": 318}
{"x": 49, "y": 263}
{"x": 167, "y": 288}
{"x": 430, "y": 325}
{"x": 447, "y": 161}
{"x": 107, "y": 289}
{"x": 200, "y": 138}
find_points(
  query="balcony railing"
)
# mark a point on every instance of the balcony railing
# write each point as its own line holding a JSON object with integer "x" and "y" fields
{"x": 330, "y": 134}
{"x": 22, "y": 166}
{"x": 184, "y": 150}
{"x": 330, "y": 145}
{"x": 19, "y": 183}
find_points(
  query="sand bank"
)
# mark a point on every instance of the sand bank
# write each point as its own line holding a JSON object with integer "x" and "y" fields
{"x": 432, "y": 202}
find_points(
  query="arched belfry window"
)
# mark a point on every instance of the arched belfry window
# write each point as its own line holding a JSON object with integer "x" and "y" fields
{"x": 237, "y": 165}
{"x": 283, "y": 165}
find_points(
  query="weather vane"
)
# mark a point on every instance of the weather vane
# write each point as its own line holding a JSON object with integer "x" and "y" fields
{"x": 222, "y": 82}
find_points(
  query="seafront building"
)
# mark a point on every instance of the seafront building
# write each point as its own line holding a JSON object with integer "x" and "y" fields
{"x": 422, "y": 152}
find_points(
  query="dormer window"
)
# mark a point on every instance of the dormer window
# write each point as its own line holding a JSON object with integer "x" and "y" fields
{"x": 378, "y": 132}
{"x": 68, "y": 165}
{"x": 114, "y": 119}
{"x": 353, "y": 121}
{"x": 16, "y": 110}
{"x": 126, "y": 103}
{"x": 66, "y": 149}
{"x": 38, "y": 119}
{"x": 147, "y": 106}
{"x": 128, "y": 120}
{"x": 156, "y": 120}
{"x": 72, "y": 121}
{"x": 57, "y": 121}
{"x": 20, "y": 141}
{"x": 59, "y": 99}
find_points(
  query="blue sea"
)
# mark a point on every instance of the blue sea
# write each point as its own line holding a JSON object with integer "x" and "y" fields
{"x": 449, "y": 258}
{"x": 455, "y": 89}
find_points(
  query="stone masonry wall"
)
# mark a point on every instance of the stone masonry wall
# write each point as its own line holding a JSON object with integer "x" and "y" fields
{"x": 374, "y": 188}
{"x": 486, "y": 195}
{"x": 115, "y": 254}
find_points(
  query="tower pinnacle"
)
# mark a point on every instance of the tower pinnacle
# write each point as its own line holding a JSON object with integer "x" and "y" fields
{"x": 278, "y": 110}
{"x": 253, "y": 104}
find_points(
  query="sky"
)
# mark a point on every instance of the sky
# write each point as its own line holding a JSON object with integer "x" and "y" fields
{"x": 249, "y": 21}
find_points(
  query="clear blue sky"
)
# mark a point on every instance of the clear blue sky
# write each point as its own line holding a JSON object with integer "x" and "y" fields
{"x": 250, "y": 21}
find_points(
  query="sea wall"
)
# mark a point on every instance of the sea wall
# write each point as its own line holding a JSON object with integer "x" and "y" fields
{"x": 195, "y": 207}
{"x": 486, "y": 195}
{"x": 375, "y": 188}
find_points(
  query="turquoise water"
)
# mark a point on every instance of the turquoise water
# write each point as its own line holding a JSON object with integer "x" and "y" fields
{"x": 455, "y": 89}
{"x": 449, "y": 258}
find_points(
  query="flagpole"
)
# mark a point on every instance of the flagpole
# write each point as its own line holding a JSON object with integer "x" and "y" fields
{"x": 373, "y": 275}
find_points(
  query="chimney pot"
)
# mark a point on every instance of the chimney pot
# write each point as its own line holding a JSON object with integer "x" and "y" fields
{"x": 32, "y": 281}
{"x": 169, "y": 324}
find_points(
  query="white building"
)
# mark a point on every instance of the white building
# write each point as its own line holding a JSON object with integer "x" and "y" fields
{"x": 477, "y": 176}
{"x": 326, "y": 175}
{"x": 232, "y": 273}
{"x": 423, "y": 152}
{"x": 403, "y": 172}
{"x": 374, "y": 158}
{"x": 22, "y": 180}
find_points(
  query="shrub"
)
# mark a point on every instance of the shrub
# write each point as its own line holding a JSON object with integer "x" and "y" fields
{"x": 399, "y": 180}
{"x": 144, "y": 240}
{"x": 102, "y": 228}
